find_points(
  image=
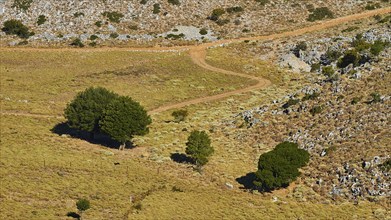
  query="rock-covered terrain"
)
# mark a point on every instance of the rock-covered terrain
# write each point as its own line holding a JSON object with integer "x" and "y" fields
{"x": 341, "y": 116}
{"x": 150, "y": 20}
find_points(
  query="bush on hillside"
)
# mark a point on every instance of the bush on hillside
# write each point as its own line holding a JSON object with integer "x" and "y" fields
{"x": 320, "y": 14}
{"x": 22, "y": 4}
{"x": 174, "y": 2}
{"x": 16, "y": 27}
{"x": 349, "y": 57}
{"x": 279, "y": 167}
{"x": 179, "y": 115}
{"x": 41, "y": 19}
{"x": 113, "y": 16}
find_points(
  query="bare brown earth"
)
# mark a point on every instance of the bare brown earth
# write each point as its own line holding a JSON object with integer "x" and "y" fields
{"x": 198, "y": 54}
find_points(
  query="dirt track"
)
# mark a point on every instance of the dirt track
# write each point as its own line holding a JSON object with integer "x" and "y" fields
{"x": 198, "y": 54}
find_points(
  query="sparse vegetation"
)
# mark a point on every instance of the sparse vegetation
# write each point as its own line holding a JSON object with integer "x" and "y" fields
{"x": 156, "y": 8}
{"x": 113, "y": 16}
{"x": 320, "y": 14}
{"x": 22, "y": 4}
{"x": 316, "y": 110}
{"x": 234, "y": 9}
{"x": 179, "y": 115}
{"x": 263, "y": 2}
{"x": 77, "y": 43}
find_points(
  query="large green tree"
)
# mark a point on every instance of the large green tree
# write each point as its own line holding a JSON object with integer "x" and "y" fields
{"x": 279, "y": 167}
{"x": 199, "y": 147}
{"x": 123, "y": 119}
{"x": 86, "y": 109}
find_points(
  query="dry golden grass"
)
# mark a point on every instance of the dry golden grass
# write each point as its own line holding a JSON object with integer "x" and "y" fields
{"x": 43, "y": 82}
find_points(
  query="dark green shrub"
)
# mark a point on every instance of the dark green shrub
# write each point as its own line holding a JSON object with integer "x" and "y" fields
{"x": 377, "y": 47}
{"x": 93, "y": 37}
{"x": 302, "y": 46}
{"x": 98, "y": 23}
{"x": 310, "y": 96}
{"x": 203, "y": 31}
{"x": 156, "y": 8}
{"x": 375, "y": 98}
{"x": 360, "y": 44}
{"x": 315, "y": 67}
{"x": 222, "y": 22}
{"x": 216, "y": 13}
{"x": 350, "y": 29}
{"x": 22, "y": 4}
{"x": 114, "y": 35}
{"x": 16, "y": 27}
{"x": 328, "y": 71}
{"x": 41, "y": 19}
{"x": 316, "y": 110}
{"x": 92, "y": 44}
{"x": 333, "y": 55}
{"x": 199, "y": 147}
{"x": 174, "y": 2}
{"x": 24, "y": 42}
{"x": 175, "y": 36}
{"x": 234, "y": 9}
{"x": 113, "y": 16}
{"x": 143, "y": 2}
{"x": 83, "y": 205}
{"x": 78, "y": 14}
{"x": 180, "y": 115}
{"x": 355, "y": 100}
{"x": 371, "y": 6}
{"x": 386, "y": 166}
{"x": 290, "y": 103}
{"x": 77, "y": 43}
{"x": 279, "y": 167}
{"x": 320, "y": 14}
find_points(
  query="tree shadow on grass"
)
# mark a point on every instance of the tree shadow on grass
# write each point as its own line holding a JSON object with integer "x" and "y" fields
{"x": 100, "y": 139}
{"x": 73, "y": 215}
{"x": 247, "y": 181}
{"x": 182, "y": 158}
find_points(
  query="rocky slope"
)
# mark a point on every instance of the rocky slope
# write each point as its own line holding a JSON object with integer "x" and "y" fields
{"x": 151, "y": 20}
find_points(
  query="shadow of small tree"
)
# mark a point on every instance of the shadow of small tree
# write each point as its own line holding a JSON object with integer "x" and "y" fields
{"x": 73, "y": 215}
{"x": 100, "y": 139}
{"x": 248, "y": 181}
{"x": 182, "y": 158}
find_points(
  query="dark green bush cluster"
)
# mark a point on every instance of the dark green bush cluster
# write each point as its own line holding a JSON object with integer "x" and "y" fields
{"x": 16, "y": 27}
{"x": 97, "y": 110}
{"x": 371, "y": 6}
{"x": 78, "y": 14}
{"x": 114, "y": 35}
{"x": 375, "y": 98}
{"x": 320, "y": 14}
{"x": 77, "y": 43}
{"x": 156, "y": 8}
{"x": 378, "y": 46}
{"x": 113, "y": 16}
{"x": 22, "y": 4}
{"x": 174, "y": 2}
{"x": 216, "y": 13}
{"x": 279, "y": 167}
{"x": 143, "y": 2}
{"x": 41, "y": 19}
{"x": 175, "y": 36}
{"x": 203, "y": 31}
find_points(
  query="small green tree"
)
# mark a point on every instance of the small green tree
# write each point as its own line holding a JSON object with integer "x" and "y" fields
{"x": 82, "y": 205}
{"x": 199, "y": 147}
{"x": 124, "y": 118}
{"x": 86, "y": 109}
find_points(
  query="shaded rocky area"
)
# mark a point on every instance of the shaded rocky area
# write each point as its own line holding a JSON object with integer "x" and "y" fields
{"x": 341, "y": 115}
{"x": 147, "y": 20}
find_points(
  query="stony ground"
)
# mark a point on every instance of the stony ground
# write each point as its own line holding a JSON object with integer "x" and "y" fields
{"x": 141, "y": 22}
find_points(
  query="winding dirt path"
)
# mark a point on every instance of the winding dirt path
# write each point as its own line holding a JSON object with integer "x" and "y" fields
{"x": 198, "y": 55}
